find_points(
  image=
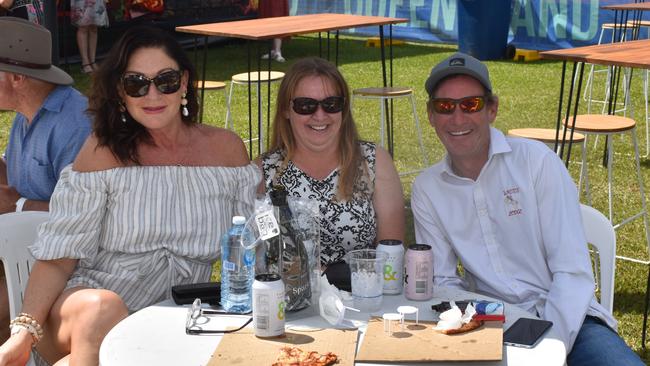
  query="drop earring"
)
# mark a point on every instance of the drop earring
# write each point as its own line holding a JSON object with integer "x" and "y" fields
{"x": 122, "y": 112}
{"x": 184, "y": 110}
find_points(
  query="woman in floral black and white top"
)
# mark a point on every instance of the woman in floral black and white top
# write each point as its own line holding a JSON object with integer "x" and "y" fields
{"x": 316, "y": 154}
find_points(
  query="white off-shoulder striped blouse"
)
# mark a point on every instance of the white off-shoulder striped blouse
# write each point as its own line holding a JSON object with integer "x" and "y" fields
{"x": 139, "y": 230}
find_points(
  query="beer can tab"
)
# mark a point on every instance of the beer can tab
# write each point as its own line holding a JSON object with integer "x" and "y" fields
{"x": 267, "y": 225}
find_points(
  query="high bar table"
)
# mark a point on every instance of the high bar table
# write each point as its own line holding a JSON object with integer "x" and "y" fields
{"x": 266, "y": 29}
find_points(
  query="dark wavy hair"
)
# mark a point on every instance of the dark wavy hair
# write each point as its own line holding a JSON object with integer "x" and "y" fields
{"x": 104, "y": 102}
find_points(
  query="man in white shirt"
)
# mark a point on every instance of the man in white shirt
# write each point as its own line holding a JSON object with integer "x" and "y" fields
{"x": 508, "y": 210}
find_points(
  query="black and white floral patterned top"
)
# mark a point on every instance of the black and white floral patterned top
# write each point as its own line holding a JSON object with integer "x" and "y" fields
{"x": 345, "y": 225}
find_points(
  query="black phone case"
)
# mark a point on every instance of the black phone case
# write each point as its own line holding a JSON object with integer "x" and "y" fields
{"x": 208, "y": 292}
{"x": 526, "y": 332}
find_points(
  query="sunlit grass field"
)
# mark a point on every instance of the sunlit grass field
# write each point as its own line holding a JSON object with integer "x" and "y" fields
{"x": 528, "y": 97}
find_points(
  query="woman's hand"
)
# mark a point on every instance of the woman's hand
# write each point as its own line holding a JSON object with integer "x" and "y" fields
{"x": 6, "y": 4}
{"x": 16, "y": 350}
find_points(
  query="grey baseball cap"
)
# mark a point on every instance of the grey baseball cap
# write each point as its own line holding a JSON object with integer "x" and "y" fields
{"x": 458, "y": 63}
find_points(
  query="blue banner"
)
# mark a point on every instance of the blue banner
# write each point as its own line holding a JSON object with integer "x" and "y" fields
{"x": 534, "y": 24}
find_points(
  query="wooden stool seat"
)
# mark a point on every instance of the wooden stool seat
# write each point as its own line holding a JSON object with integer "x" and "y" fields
{"x": 611, "y": 26}
{"x": 263, "y": 76}
{"x": 630, "y": 23}
{"x": 610, "y": 125}
{"x": 545, "y": 135}
{"x": 395, "y": 91}
{"x": 211, "y": 85}
{"x": 639, "y": 23}
{"x": 602, "y": 123}
{"x": 257, "y": 78}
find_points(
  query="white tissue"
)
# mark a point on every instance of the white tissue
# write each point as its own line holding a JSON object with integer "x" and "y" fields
{"x": 454, "y": 318}
{"x": 331, "y": 307}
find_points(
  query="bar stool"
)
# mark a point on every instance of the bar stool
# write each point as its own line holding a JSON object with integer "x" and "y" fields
{"x": 211, "y": 85}
{"x": 242, "y": 80}
{"x": 588, "y": 89}
{"x": 645, "y": 24}
{"x": 610, "y": 125}
{"x": 547, "y": 136}
{"x": 390, "y": 93}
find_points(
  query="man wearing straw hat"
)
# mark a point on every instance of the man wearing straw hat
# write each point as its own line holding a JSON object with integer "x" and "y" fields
{"x": 50, "y": 125}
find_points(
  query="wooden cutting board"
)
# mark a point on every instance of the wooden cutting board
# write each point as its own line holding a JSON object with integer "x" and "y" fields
{"x": 244, "y": 348}
{"x": 420, "y": 343}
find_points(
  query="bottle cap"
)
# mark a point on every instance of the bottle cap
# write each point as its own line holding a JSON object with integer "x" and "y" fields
{"x": 390, "y": 242}
{"x": 238, "y": 220}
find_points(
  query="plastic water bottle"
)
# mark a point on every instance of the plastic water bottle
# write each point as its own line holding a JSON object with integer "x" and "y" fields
{"x": 237, "y": 270}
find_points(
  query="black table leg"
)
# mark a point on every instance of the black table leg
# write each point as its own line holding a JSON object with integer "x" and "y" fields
{"x": 336, "y": 57}
{"x": 391, "y": 135}
{"x": 645, "y": 310}
{"x": 385, "y": 84}
{"x": 268, "y": 96}
{"x": 320, "y": 45}
{"x": 250, "y": 107}
{"x": 568, "y": 116}
{"x": 205, "y": 66}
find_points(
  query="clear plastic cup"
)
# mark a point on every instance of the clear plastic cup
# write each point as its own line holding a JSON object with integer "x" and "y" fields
{"x": 367, "y": 277}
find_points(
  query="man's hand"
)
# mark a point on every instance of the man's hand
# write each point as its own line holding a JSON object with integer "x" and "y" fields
{"x": 8, "y": 198}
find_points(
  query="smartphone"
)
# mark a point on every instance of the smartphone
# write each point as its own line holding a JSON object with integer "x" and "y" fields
{"x": 526, "y": 332}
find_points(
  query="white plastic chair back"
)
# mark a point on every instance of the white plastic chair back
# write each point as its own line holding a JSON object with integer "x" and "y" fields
{"x": 18, "y": 230}
{"x": 600, "y": 234}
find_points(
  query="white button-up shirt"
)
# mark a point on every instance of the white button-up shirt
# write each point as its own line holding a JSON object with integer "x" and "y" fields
{"x": 517, "y": 231}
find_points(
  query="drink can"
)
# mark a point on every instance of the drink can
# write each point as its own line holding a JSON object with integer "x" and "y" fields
{"x": 418, "y": 277}
{"x": 394, "y": 267}
{"x": 268, "y": 305}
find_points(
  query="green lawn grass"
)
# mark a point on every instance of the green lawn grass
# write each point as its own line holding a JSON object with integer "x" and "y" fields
{"x": 528, "y": 97}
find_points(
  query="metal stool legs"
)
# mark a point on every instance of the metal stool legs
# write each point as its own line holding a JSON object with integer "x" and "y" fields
{"x": 645, "y": 95}
{"x": 425, "y": 158}
{"x": 257, "y": 78}
{"x": 610, "y": 159}
{"x": 383, "y": 95}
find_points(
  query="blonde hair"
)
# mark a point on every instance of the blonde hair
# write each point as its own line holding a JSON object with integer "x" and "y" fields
{"x": 353, "y": 167}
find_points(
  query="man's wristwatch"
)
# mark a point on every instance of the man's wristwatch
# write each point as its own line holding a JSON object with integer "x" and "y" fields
{"x": 20, "y": 203}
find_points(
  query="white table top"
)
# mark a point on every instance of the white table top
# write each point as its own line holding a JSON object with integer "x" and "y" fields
{"x": 156, "y": 335}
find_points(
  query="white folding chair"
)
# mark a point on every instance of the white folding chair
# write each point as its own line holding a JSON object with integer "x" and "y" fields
{"x": 18, "y": 230}
{"x": 601, "y": 236}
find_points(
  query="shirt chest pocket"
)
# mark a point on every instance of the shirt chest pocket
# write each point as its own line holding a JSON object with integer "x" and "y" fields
{"x": 40, "y": 176}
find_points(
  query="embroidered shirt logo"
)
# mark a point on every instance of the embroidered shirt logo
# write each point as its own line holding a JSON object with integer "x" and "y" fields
{"x": 511, "y": 202}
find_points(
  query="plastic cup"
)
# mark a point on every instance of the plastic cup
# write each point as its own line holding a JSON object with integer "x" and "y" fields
{"x": 367, "y": 278}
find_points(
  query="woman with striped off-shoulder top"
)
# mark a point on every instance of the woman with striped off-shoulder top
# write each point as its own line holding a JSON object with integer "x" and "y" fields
{"x": 141, "y": 209}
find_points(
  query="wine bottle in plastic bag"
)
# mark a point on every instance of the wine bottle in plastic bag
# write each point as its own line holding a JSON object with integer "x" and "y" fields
{"x": 294, "y": 260}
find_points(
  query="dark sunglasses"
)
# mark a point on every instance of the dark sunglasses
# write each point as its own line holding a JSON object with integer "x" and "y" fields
{"x": 137, "y": 85}
{"x": 306, "y": 106}
{"x": 468, "y": 104}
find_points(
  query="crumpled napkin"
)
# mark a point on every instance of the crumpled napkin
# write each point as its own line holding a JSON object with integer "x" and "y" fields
{"x": 331, "y": 306}
{"x": 454, "y": 318}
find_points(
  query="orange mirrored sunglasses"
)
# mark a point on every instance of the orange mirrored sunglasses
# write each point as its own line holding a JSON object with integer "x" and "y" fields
{"x": 471, "y": 104}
